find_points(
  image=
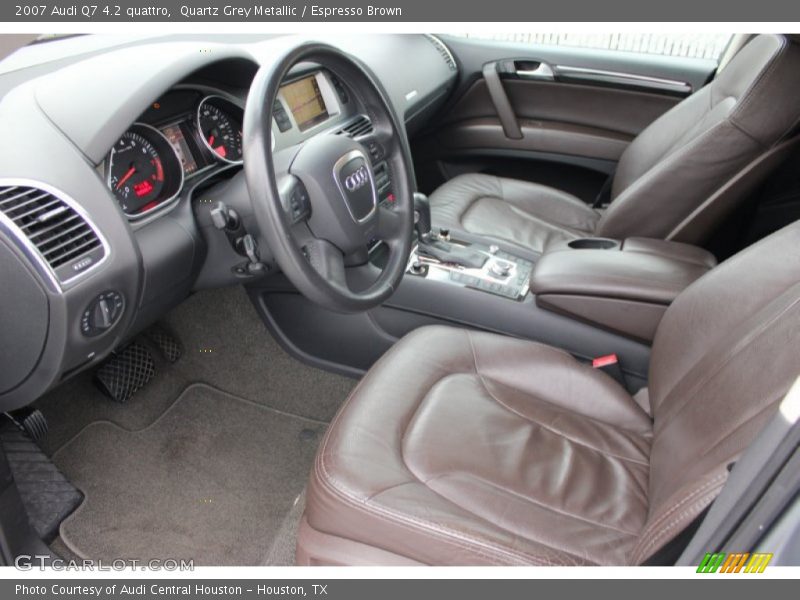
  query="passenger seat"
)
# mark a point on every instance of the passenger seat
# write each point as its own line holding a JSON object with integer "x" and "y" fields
{"x": 665, "y": 176}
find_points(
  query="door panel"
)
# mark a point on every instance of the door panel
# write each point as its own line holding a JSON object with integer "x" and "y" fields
{"x": 537, "y": 136}
{"x": 621, "y": 111}
{"x": 577, "y": 109}
{"x": 472, "y": 54}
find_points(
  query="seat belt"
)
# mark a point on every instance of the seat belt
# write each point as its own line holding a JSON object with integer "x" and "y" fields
{"x": 603, "y": 197}
{"x": 609, "y": 364}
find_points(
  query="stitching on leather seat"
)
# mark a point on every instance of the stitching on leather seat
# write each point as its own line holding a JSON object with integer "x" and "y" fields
{"x": 562, "y": 552}
{"x": 555, "y": 431}
{"x": 546, "y": 194}
{"x": 771, "y": 407}
{"x": 747, "y": 97}
{"x": 438, "y": 205}
{"x": 739, "y": 345}
{"x": 555, "y": 406}
{"x": 337, "y": 488}
{"x": 455, "y": 538}
{"x": 524, "y": 214}
{"x": 709, "y": 488}
{"x": 665, "y": 163}
{"x": 499, "y": 487}
{"x": 529, "y": 420}
{"x": 558, "y": 227}
{"x": 549, "y": 508}
{"x": 447, "y": 535}
{"x": 473, "y": 197}
{"x": 693, "y": 510}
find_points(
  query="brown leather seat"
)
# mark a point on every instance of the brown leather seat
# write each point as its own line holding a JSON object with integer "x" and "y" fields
{"x": 461, "y": 447}
{"x": 666, "y": 181}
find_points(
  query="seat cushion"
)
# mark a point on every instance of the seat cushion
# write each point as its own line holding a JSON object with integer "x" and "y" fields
{"x": 461, "y": 447}
{"x": 531, "y": 215}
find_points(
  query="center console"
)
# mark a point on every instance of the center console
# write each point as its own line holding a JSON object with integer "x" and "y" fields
{"x": 621, "y": 286}
{"x": 488, "y": 268}
{"x": 474, "y": 264}
{"x": 591, "y": 297}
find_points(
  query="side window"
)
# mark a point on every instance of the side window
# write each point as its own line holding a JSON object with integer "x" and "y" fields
{"x": 688, "y": 45}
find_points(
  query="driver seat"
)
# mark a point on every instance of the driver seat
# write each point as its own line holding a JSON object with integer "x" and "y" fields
{"x": 462, "y": 447}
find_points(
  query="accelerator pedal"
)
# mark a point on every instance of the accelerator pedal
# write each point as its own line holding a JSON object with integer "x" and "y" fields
{"x": 48, "y": 496}
{"x": 167, "y": 343}
{"x": 125, "y": 372}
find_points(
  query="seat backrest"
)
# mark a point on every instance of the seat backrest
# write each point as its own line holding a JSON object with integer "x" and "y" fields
{"x": 724, "y": 355}
{"x": 700, "y": 144}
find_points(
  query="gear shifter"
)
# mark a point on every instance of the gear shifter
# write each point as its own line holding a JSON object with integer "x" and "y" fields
{"x": 433, "y": 246}
{"x": 422, "y": 216}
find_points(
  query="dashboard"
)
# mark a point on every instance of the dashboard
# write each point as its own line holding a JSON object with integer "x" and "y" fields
{"x": 190, "y": 131}
{"x": 107, "y": 197}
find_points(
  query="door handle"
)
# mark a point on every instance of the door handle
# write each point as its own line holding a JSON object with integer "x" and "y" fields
{"x": 528, "y": 69}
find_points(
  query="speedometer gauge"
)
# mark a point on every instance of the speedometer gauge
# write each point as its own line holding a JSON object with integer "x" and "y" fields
{"x": 219, "y": 122}
{"x": 143, "y": 171}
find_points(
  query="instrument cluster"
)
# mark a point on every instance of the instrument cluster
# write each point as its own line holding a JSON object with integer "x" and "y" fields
{"x": 182, "y": 134}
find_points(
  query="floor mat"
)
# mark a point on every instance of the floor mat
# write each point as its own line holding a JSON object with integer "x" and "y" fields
{"x": 212, "y": 480}
{"x": 227, "y": 346}
{"x": 281, "y": 553}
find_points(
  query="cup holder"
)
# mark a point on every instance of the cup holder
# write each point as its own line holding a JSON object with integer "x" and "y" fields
{"x": 593, "y": 244}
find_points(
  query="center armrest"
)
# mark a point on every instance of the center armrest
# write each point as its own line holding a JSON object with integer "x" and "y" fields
{"x": 625, "y": 288}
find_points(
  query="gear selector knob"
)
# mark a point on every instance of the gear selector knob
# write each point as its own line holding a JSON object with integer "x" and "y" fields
{"x": 422, "y": 215}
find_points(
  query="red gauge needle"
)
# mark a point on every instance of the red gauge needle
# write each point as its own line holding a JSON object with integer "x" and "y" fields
{"x": 211, "y": 140}
{"x": 125, "y": 177}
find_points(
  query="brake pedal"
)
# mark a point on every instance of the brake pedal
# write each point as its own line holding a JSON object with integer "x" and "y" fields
{"x": 126, "y": 372}
{"x": 169, "y": 346}
{"x": 33, "y": 422}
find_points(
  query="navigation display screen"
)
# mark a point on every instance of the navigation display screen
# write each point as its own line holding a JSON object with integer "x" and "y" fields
{"x": 305, "y": 101}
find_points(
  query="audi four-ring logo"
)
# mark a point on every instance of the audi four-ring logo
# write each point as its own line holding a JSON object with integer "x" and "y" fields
{"x": 356, "y": 179}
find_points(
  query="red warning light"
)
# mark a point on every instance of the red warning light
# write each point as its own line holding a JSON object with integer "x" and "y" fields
{"x": 142, "y": 188}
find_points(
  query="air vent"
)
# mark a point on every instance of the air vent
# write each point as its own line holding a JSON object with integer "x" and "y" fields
{"x": 63, "y": 238}
{"x": 358, "y": 127}
{"x": 444, "y": 51}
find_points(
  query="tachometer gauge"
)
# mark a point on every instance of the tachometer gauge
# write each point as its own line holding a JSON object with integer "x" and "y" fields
{"x": 143, "y": 170}
{"x": 219, "y": 123}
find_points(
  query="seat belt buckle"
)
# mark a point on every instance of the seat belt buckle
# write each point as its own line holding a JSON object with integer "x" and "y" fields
{"x": 609, "y": 364}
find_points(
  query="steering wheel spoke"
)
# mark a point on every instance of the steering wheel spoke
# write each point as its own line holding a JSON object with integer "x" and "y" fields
{"x": 327, "y": 260}
{"x": 390, "y": 223}
{"x": 294, "y": 198}
{"x": 381, "y": 136}
{"x": 377, "y": 144}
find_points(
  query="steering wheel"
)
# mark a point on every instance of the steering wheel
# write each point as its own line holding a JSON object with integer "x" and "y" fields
{"x": 316, "y": 203}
